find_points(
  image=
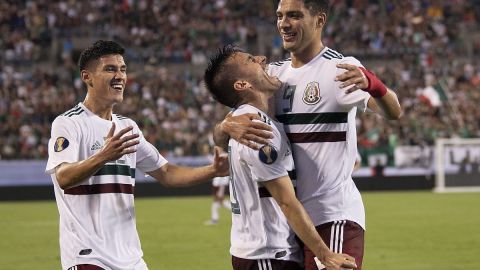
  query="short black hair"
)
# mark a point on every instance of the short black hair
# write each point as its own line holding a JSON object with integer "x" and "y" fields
{"x": 317, "y": 6}
{"x": 219, "y": 77}
{"x": 97, "y": 50}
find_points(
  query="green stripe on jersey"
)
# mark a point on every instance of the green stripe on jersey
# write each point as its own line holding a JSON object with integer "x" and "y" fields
{"x": 313, "y": 118}
{"x": 116, "y": 170}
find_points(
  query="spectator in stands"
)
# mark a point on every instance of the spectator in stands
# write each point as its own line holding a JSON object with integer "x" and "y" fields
{"x": 38, "y": 80}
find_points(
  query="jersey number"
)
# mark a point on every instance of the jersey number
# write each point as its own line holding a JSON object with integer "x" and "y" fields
{"x": 288, "y": 95}
{"x": 234, "y": 200}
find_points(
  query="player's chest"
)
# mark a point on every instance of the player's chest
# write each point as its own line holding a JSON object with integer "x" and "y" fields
{"x": 95, "y": 137}
{"x": 309, "y": 91}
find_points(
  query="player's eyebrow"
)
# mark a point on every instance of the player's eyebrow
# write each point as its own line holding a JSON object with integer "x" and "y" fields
{"x": 108, "y": 66}
{"x": 290, "y": 13}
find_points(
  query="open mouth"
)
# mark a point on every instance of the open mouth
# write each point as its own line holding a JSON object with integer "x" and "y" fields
{"x": 117, "y": 86}
{"x": 289, "y": 36}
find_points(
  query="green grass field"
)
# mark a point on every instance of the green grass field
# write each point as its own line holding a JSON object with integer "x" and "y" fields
{"x": 413, "y": 231}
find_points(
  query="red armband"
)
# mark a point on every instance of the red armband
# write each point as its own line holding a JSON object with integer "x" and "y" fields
{"x": 375, "y": 87}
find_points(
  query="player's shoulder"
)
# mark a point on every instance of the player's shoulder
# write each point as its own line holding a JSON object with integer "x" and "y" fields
{"x": 73, "y": 112}
{"x": 246, "y": 108}
{"x": 243, "y": 109}
{"x": 336, "y": 57}
{"x": 125, "y": 121}
{"x": 70, "y": 116}
{"x": 123, "y": 118}
{"x": 278, "y": 66}
{"x": 281, "y": 62}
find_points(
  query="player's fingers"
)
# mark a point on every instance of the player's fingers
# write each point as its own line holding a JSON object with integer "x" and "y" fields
{"x": 253, "y": 116}
{"x": 129, "y": 138}
{"x": 347, "y": 66}
{"x": 350, "y": 258}
{"x": 216, "y": 153}
{"x": 349, "y": 82}
{"x": 353, "y": 89}
{"x": 128, "y": 151}
{"x": 129, "y": 144}
{"x": 349, "y": 262}
{"x": 358, "y": 84}
{"x": 348, "y": 265}
{"x": 256, "y": 139}
{"x": 345, "y": 76}
{"x": 122, "y": 132}
{"x": 111, "y": 131}
{"x": 261, "y": 126}
{"x": 250, "y": 144}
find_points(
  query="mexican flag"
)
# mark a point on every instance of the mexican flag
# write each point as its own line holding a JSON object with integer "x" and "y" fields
{"x": 433, "y": 96}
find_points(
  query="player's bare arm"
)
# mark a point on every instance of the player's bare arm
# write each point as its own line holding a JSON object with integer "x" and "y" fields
{"x": 171, "y": 175}
{"x": 282, "y": 191}
{"x": 244, "y": 130}
{"x": 70, "y": 174}
{"x": 384, "y": 102}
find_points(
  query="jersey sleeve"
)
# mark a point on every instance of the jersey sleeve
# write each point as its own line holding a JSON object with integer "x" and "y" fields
{"x": 148, "y": 157}
{"x": 267, "y": 163}
{"x": 357, "y": 98}
{"x": 63, "y": 145}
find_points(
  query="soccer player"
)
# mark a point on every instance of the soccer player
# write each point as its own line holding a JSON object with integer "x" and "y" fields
{"x": 93, "y": 155}
{"x": 318, "y": 111}
{"x": 261, "y": 185}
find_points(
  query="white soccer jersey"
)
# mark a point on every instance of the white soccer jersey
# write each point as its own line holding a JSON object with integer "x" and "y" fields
{"x": 97, "y": 216}
{"x": 259, "y": 227}
{"x": 319, "y": 119}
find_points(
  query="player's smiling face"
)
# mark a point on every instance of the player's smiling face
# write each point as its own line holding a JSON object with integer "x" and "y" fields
{"x": 108, "y": 78}
{"x": 252, "y": 69}
{"x": 297, "y": 26}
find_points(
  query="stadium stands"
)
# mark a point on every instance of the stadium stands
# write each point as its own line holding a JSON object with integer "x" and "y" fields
{"x": 425, "y": 50}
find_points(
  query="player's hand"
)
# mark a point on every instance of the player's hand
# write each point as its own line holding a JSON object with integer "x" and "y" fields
{"x": 353, "y": 78}
{"x": 244, "y": 130}
{"x": 220, "y": 162}
{"x": 116, "y": 146}
{"x": 336, "y": 261}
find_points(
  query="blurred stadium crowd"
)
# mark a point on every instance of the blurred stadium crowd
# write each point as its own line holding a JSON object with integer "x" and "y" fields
{"x": 425, "y": 50}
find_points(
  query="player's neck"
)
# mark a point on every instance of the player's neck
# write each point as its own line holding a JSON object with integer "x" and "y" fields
{"x": 103, "y": 111}
{"x": 260, "y": 103}
{"x": 302, "y": 58}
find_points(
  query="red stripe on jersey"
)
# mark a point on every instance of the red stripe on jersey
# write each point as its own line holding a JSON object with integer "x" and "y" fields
{"x": 312, "y": 137}
{"x": 100, "y": 188}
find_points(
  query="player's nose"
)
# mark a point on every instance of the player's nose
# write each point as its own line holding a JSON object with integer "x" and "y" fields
{"x": 283, "y": 23}
{"x": 262, "y": 60}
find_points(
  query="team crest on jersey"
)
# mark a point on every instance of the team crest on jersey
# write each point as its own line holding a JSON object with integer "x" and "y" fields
{"x": 268, "y": 154}
{"x": 311, "y": 96}
{"x": 60, "y": 144}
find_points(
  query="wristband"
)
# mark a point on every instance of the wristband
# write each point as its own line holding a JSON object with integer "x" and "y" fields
{"x": 375, "y": 87}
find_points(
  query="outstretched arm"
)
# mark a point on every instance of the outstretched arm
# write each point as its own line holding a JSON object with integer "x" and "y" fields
{"x": 243, "y": 129}
{"x": 384, "y": 101}
{"x": 282, "y": 191}
{"x": 179, "y": 176}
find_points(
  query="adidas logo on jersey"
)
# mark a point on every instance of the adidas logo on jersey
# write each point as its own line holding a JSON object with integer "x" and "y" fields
{"x": 97, "y": 145}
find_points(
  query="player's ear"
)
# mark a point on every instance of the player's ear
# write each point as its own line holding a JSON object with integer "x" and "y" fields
{"x": 241, "y": 85}
{"x": 321, "y": 19}
{"x": 86, "y": 78}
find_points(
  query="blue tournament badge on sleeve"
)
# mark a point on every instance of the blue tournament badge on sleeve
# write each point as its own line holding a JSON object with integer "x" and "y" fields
{"x": 60, "y": 144}
{"x": 268, "y": 154}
